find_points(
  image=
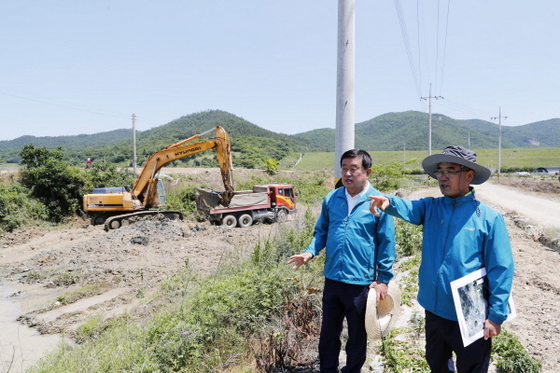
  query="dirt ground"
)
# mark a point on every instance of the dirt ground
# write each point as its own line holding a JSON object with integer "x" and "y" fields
{"x": 38, "y": 266}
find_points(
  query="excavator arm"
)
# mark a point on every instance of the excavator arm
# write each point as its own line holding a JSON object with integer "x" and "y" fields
{"x": 145, "y": 187}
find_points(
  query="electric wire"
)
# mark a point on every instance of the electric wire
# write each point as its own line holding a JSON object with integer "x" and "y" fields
{"x": 445, "y": 46}
{"x": 406, "y": 41}
{"x": 51, "y": 102}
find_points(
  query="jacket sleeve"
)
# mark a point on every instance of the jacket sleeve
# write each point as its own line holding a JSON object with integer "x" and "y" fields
{"x": 385, "y": 244}
{"x": 319, "y": 240}
{"x": 499, "y": 264}
{"x": 410, "y": 211}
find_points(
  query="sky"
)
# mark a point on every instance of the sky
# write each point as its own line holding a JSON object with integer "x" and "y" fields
{"x": 72, "y": 67}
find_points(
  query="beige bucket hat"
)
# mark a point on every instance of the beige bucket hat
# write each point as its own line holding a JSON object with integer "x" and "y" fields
{"x": 381, "y": 317}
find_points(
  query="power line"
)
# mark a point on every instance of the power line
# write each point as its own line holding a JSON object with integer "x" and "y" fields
{"x": 51, "y": 102}
{"x": 406, "y": 41}
{"x": 445, "y": 46}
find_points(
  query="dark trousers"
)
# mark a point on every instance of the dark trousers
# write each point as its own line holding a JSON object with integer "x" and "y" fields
{"x": 443, "y": 337}
{"x": 342, "y": 300}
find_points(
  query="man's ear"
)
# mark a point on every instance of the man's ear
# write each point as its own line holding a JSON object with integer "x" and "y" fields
{"x": 368, "y": 171}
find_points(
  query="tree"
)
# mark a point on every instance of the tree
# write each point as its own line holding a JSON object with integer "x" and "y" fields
{"x": 52, "y": 181}
{"x": 271, "y": 166}
{"x": 107, "y": 175}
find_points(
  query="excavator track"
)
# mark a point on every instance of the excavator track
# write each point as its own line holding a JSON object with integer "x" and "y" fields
{"x": 115, "y": 222}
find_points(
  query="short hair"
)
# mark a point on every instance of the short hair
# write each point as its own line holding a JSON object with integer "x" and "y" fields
{"x": 354, "y": 153}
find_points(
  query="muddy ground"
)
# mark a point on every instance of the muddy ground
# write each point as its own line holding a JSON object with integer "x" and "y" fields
{"x": 38, "y": 266}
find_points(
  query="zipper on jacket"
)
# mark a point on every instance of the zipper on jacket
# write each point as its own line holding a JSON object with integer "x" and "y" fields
{"x": 445, "y": 253}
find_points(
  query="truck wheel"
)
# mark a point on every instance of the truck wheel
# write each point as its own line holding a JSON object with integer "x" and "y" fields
{"x": 229, "y": 221}
{"x": 281, "y": 216}
{"x": 245, "y": 221}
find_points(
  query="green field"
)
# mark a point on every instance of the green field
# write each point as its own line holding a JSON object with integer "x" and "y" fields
{"x": 519, "y": 158}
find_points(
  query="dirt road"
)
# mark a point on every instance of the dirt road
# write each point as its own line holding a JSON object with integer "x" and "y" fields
{"x": 38, "y": 266}
{"x": 540, "y": 209}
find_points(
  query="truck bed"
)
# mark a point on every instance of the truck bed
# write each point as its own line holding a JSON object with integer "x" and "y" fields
{"x": 208, "y": 201}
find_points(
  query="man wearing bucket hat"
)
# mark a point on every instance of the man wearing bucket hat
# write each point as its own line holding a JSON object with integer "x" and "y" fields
{"x": 460, "y": 236}
{"x": 359, "y": 255}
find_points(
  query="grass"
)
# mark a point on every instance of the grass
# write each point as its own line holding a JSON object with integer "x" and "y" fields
{"x": 529, "y": 158}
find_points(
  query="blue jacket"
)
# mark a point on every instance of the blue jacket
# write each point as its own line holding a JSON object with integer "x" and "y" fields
{"x": 461, "y": 235}
{"x": 360, "y": 247}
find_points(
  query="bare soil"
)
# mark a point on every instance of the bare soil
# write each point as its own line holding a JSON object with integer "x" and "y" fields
{"x": 40, "y": 267}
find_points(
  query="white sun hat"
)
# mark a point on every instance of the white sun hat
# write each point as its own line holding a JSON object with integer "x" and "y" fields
{"x": 381, "y": 317}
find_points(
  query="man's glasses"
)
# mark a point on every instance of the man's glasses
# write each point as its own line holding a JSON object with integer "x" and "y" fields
{"x": 448, "y": 174}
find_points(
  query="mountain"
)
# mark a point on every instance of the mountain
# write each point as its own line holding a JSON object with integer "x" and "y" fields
{"x": 392, "y": 131}
{"x": 252, "y": 144}
{"x": 93, "y": 140}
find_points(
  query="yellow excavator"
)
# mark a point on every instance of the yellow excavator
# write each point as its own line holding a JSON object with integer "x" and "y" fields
{"x": 117, "y": 205}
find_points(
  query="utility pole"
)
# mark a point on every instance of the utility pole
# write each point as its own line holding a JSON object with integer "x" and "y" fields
{"x": 499, "y": 118}
{"x": 404, "y": 157}
{"x": 429, "y": 98}
{"x": 134, "y": 143}
{"x": 345, "y": 94}
{"x": 468, "y": 137}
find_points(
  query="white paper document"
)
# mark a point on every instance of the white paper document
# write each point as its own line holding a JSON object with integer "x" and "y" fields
{"x": 470, "y": 295}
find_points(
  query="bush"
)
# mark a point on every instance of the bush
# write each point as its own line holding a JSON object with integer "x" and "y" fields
{"x": 183, "y": 198}
{"x": 386, "y": 177}
{"x": 52, "y": 181}
{"x": 409, "y": 238}
{"x": 103, "y": 174}
{"x": 17, "y": 208}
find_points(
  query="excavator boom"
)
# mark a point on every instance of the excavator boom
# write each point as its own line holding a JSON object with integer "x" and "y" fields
{"x": 145, "y": 187}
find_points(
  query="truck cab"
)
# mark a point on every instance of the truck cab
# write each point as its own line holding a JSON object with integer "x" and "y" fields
{"x": 281, "y": 195}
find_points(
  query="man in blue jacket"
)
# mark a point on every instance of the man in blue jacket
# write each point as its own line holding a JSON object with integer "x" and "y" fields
{"x": 359, "y": 255}
{"x": 461, "y": 235}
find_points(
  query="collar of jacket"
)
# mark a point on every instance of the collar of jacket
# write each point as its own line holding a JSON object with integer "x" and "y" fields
{"x": 469, "y": 197}
{"x": 341, "y": 193}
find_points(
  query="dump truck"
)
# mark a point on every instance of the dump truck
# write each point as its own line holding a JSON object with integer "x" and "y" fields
{"x": 113, "y": 206}
{"x": 264, "y": 203}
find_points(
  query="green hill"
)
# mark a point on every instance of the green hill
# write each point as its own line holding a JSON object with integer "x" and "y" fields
{"x": 252, "y": 144}
{"x": 392, "y": 131}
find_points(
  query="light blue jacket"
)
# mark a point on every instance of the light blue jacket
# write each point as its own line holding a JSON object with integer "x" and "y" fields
{"x": 461, "y": 235}
{"x": 360, "y": 247}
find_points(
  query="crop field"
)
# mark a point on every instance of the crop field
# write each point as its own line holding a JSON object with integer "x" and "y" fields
{"x": 518, "y": 157}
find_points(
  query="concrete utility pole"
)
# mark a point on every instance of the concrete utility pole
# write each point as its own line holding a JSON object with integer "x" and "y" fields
{"x": 429, "y": 98}
{"x": 134, "y": 143}
{"x": 404, "y": 157}
{"x": 499, "y": 118}
{"x": 468, "y": 137}
{"x": 345, "y": 95}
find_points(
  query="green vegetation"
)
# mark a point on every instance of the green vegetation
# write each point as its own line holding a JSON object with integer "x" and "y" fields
{"x": 271, "y": 166}
{"x": 52, "y": 181}
{"x": 18, "y": 208}
{"x": 512, "y": 357}
{"x": 253, "y": 145}
{"x": 513, "y": 160}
